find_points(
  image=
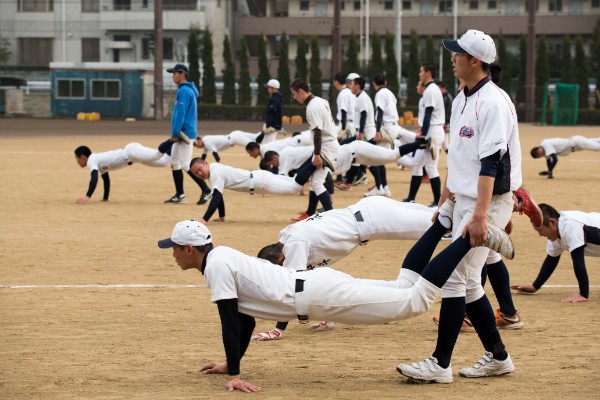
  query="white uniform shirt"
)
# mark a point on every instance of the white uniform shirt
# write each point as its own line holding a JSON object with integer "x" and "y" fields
{"x": 570, "y": 230}
{"x": 293, "y": 157}
{"x": 215, "y": 143}
{"x": 481, "y": 125}
{"x": 279, "y": 145}
{"x": 421, "y": 112}
{"x": 559, "y": 146}
{"x": 385, "y": 99}
{"x": 262, "y": 289}
{"x": 224, "y": 176}
{"x": 432, "y": 97}
{"x": 364, "y": 103}
{"x": 107, "y": 161}
{"x": 346, "y": 101}
{"x": 318, "y": 115}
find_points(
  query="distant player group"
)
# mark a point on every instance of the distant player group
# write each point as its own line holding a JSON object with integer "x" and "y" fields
{"x": 293, "y": 279}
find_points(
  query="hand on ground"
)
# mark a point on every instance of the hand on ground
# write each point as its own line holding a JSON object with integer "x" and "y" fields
{"x": 524, "y": 288}
{"x": 576, "y": 298}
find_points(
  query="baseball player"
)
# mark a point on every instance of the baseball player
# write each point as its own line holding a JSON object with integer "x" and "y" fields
{"x": 552, "y": 148}
{"x": 573, "y": 231}
{"x": 484, "y": 168}
{"x": 225, "y": 177}
{"x": 245, "y": 288}
{"x": 431, "y": 119}
{"x": 101, "y": 163}
{"x": 324, "y": 239}
{"x": 184, "y": 120}
{"x": 274, "y": 114}
{"x": 346, "y": 103}
{"x": 320, "y": 121}
{"x": 256, "y": 150}
{"x": 216, "y": 143}
{"x": 289, "y": 160}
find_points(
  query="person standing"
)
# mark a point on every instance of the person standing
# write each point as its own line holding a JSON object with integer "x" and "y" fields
{"x": 274, "y": 114}
{"x": 484, "y": 168}
{"x": 184, "y": 120}
{"x": 326, "y": 146}
{"x": 432, "y": 111}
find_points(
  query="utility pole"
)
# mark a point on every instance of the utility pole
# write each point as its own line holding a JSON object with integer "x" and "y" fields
{"x": 336, "y": 56}
{"x": 530, "y": 76}
{"x": 398, "y": 45}
{"x": 158, "y": 60}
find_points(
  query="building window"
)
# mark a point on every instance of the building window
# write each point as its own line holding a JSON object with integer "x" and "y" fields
{"x": 90, "y": 6}
{"x": 70, "y": 89}
{"x": 555, "y": 5}
{"x": 388, "y": 5}
{"x": 304, "y": 4}
{"x": 357, "y": 5}
{"x": 492, "y": 4}
{"x": 474, "y": 5}
{"x": 168, "y": 49}
{"x": 342, "y": 6}
{"x": 445, "y": 6}
{"x": 407, "y": 5}
{"x": 90, "y": 49}
{"x": 106, "y": 89}
{"x": 121, "y": 5}
{"x": 35, "y": 51}
{"x": 35, "y": 5}
{"x": 170, "y": 5}
{"x": 148, "y": 48}
{"x": 595, "y": 3}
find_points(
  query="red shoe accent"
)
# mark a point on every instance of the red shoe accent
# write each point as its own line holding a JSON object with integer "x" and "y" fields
{"x": 528, "y": 207}
{"x": 300, "y": 217}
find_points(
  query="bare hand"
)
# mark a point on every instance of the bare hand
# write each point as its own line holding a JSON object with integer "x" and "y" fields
{"x": 243, "y": 386}
{"x": 82, "y": 200}
{"x": 478, "y": 231}
{"x": 174, "y": 140}
{"x": 377, "y": 137}
{"x": 576, "y": 298}
{"x": 214, "y": 368}
{"x": 434, "y": 217}
{"x": 317, "y": 161}
{"x": 524, "y": 288}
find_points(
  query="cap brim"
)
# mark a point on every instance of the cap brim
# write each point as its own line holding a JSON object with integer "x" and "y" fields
{"x": 452, "y": 45}
{"x": 171, "y": 70}
{"x": 266, "y": 85}
{"x": 166, "y": 243}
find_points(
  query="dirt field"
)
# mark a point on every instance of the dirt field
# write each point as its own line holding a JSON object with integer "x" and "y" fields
{"x": 68, "y": 330}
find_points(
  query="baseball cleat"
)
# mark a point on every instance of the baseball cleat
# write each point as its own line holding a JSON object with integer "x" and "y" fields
{"x": 445, "y": 213}
{"x": 528, "y": 207}
{"x": 433, "y": 148}
{"x": 301, "y": 217}
{"x": 467, "y": 326}
{"x": 503, "y": 321}
{"x": 386, "y": 191}
{"x": 375, "y": 192}
{"x": 427, "y": 371}
{"x": 488, "y": 366}
{"x": 343, "y": 186}
{"x": 176, "y": 199}
{"x": 184, "y": 138}
{"x": 321, "y": 326}
{"x": 499, "y": 241}
{"x": 360, "y": 180}
{"x": 273, "y": 334}
{"x": 204, "y": 198}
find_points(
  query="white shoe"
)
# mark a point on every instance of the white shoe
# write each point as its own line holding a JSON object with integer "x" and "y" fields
{"x": 375, "y": 192}
{"x": 321, "y": 326}
{"x": 427, "y": 370}
{"x": 386, "y": 191}
{"x": 433, "y": 148}
{"x": 499, "y": 241}
{"x": 445, "y": 213}
{"x": 273, "y": 334}
{"x": 488, "y": 366}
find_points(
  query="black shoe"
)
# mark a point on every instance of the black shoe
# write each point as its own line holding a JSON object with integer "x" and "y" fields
{"x": 177, "y": 199}
{"x": 204, "y": 199}
{"x": 407, "y": 200}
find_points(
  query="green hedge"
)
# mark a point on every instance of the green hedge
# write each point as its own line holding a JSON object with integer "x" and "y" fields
{"x": 585, "y": 117}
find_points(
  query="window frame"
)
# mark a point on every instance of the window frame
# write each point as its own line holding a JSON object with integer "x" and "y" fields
{"x": 70, "y": 97}
{"x": 94, "y": 80}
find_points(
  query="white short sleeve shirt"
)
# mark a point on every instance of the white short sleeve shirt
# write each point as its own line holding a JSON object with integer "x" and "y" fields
{"x": 385, "y": 99}
{"x": 107, "y": 161}
{"x": 559, "y": 146}
{"x": 432, "y": 97}
{"x": 571, "y": 237}
{"x": 224, "y": 176}
{"x": 346, "y": 101}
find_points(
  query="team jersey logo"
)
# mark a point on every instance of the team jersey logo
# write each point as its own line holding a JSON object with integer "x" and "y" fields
{"x": 467, "y": 132}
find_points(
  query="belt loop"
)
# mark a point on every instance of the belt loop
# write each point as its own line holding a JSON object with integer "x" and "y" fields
{"x": 251, "y": 183}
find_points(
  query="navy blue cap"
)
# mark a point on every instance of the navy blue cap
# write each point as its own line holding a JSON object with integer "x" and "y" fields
{"x": 179, "y": 68}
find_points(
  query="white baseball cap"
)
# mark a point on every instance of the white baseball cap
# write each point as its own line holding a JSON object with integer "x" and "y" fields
{"x": 475, "y": 43}
{"x": 352, "y": 76}
{"x": 274, "y": 83}
{"x": 187, "y": 232}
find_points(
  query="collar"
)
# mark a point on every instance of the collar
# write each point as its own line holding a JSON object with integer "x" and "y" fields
{"x": 203, "y": 266}
{"x": 308, "y": 99}
{"x": 430, "y": 82}
{"x": 469, "y": 92}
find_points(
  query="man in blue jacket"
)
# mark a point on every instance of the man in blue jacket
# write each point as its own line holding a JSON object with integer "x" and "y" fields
{"x": 184, "y": 130}
{"x": 274, "y": 114}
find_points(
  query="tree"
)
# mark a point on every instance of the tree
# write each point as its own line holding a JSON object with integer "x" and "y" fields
{"x": 391, "y": 65}
{"x": 581, "y": 74}
{"x": 228, "y": 74}
{"x": 301, "y": 64}
{"x": 542, "y": 73}
{"x": 503, "y": 60}
{"x": 283, "y": 71}
{"x": 429, "y": 50}
{"x": 567, "y": 62}
{"x": 263, "y": 72}
{"x": 376, "y": 66}
{"x": 209, "y": 89}
{"x": 447, "y": 70}
{"x": 193, "y": 49}
{"x": 351, "y": 64}
{"x": 245, "y": 93}
{"x": 522, "y": 77}
{"x": 412, "y": 97}
{"x": 316, "y": 85}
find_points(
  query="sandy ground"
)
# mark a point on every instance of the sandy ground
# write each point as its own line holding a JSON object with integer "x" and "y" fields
{"x": 91, "y": 338}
